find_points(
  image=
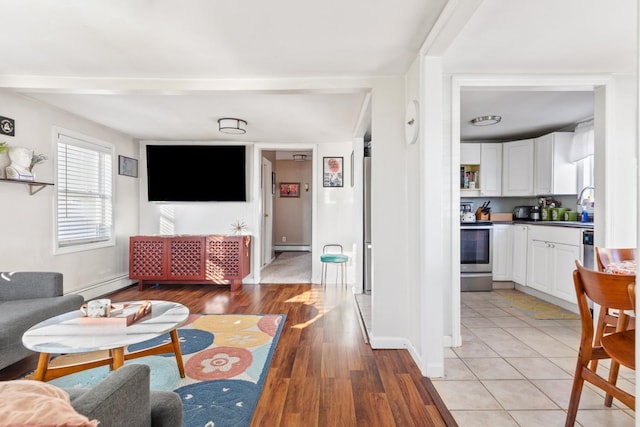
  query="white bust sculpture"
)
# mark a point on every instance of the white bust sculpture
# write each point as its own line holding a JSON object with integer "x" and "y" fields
{"x": 20, "y": 161}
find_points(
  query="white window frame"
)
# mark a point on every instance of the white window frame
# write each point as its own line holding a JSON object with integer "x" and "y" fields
{"x": 585, "y": 171}
{"x": 98, "y": 145}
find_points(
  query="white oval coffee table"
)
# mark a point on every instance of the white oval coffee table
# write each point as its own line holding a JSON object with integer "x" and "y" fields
{"x": 70, "y": 333}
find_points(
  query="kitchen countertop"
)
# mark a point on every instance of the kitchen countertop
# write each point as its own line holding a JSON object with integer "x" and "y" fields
{"x": 571, "y": 224}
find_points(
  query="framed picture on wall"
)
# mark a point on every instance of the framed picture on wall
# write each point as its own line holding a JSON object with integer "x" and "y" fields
{"x": 332, "y": 172}
{"x": 289, "y": 189}
{"x": 127, "y": 166}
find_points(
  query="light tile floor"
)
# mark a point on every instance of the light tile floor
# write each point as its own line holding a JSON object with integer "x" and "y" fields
{"x": 514, "y": 370}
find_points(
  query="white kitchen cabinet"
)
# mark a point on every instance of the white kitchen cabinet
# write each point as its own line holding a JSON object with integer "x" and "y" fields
{"x": 551, "y": 260}
{"x": 469, "y": 154}
{"x": 502, "y": 252}
{"x": 486, "y": 160}
{"x": 538, "y": 266}
{"x": 517, "y": 168}
{"x": 490, "y": 169}
{"x": 564, "y": 257}
{"x": 554, "y": 173}
{"x": 519, "y": 269}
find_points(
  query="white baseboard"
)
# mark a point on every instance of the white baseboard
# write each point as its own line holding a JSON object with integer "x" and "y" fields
{"x": 103, "y": 288}
{"x": 447, "y": 341}
{"x": 549, "y": 298}
{"x": 306, "y": 248}
{"x": 388, "y": 343}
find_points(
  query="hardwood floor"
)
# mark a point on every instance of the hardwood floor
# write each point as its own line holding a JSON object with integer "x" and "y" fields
{"x": 322, "y": 372}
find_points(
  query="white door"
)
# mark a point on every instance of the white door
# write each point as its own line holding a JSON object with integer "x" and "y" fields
{"x": 267, "y": 212}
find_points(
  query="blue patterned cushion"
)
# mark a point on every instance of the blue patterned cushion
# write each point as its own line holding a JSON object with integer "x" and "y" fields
{"x": 334, "y": 258}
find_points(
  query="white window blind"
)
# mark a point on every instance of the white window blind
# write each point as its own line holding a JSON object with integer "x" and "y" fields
{"x": 583, "y": 142}
{"x": 85, "y": 192}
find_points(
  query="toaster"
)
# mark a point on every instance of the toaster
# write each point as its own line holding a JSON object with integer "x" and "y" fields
{"x": 522, "y": 212}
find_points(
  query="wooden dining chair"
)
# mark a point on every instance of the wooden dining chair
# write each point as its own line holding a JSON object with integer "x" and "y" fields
{"x": 605, "y": 256}
{"x": 607, "y": 290}
{"x": 608, "y": 318}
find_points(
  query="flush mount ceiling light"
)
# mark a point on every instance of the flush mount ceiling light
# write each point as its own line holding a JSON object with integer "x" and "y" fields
{"x": 486, "y": 120}
{"x": 233, "y": 126}
{"x": 299, "y": 157}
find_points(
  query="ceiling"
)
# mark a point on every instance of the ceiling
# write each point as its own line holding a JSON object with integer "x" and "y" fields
{"x": 162, "y": 70}
{"x": 525, "y": 114}
{"x": 294, "y": 70}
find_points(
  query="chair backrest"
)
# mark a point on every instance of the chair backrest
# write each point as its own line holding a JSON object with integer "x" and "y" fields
{"x": 332, "y": 248}
{"x": 606, "y": 289}
{"x": 605, "y": 256}
{"x": 632, "y": 294}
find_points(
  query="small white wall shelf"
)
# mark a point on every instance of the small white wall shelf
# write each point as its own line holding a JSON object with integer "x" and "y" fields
{"x": 33, "y": 186}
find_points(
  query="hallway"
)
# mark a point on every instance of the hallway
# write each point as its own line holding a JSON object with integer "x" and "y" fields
{"x": 288, "y": 268}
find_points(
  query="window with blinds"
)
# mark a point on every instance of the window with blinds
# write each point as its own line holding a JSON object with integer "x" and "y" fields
{"x": 84, "y": 192}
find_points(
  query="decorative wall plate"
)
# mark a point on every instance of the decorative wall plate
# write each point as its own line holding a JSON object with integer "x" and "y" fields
{"x": 412, "y": 122}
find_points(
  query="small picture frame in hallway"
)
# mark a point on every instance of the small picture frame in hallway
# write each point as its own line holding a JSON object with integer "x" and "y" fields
{"x": 289, "y": 189}
{"x": 332, "y": 172}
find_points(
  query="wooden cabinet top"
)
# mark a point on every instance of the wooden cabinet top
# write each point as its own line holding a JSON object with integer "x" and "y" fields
{"x": 193, "y": 235}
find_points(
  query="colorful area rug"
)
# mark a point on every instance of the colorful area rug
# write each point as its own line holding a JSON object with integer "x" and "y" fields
{"x": 535, "y": 307}
{"x": 226, "y": 359}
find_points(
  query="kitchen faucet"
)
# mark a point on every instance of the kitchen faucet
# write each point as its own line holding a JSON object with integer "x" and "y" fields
{"x": 579, "y": 201}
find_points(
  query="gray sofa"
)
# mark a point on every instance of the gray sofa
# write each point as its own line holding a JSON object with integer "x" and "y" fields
{"x": 27, "y": 298}
{"x": 123, "y": 399}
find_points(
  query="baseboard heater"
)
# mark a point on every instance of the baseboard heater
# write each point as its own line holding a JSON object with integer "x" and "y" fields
{"x": 108, "y": 286}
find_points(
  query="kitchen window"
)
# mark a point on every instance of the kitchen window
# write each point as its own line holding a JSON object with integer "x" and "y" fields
{"x": 84, "y": 202}
{"x": 585, "y": 168}
{"x": 582, "y": 153}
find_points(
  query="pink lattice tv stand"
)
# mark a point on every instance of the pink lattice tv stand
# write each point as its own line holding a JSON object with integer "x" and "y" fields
{"x": 210, "y": 259}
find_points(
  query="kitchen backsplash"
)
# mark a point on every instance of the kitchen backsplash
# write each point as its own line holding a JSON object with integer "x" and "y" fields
{"x": 506, "y": 204}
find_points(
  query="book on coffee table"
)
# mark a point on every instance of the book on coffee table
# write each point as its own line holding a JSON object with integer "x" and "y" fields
{"x": 121, "y": 315}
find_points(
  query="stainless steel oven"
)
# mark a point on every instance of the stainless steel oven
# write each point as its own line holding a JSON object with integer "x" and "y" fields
{"x": 476, "y": 261}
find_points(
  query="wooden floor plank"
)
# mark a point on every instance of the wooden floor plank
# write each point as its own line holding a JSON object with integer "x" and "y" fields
{"x": 336, "y": 403}
{"x": 400, "y": 408}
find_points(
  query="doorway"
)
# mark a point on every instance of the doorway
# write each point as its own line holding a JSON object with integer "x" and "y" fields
{"x": 287, "y": 214}
{"x": 602, "y": 106}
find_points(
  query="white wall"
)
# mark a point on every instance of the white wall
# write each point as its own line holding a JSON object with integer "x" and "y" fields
{"x": 389, "y": 227}
{"x": 336, "y": 211}
{"x": 27, "y": 236}
{"x": 335, "y": 218}
{"x": 616, "y": 166}
{"x": 413, "y": 215}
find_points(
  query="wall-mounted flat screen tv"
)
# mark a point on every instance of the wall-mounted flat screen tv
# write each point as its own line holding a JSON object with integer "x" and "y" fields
{"x": 196, "y": 173}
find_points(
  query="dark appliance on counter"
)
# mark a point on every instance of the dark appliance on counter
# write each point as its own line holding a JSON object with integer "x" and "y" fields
{"x": 535, "y": 214}
{"x": 476, "y": 263}
{"x": 522, "y": 212}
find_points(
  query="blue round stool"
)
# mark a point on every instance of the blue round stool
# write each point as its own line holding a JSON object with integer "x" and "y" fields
{"x": 333, "y": 254}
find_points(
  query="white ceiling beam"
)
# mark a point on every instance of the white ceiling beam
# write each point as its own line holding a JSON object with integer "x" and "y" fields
{"x": 88, "y": 85}
{"x": 452, "y": 19}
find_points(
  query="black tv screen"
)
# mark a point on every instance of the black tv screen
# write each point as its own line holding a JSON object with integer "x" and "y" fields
{"x": 196, "y": 173}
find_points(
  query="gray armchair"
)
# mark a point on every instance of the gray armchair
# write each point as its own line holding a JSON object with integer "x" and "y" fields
{"x": 27, "y": 298}
{"x": 123, "y": 399}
